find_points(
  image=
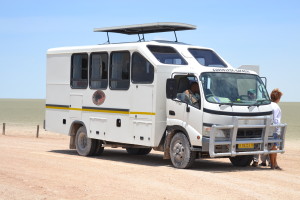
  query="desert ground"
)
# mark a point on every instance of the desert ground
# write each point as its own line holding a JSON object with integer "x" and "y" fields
{"x": 44, "y": 168}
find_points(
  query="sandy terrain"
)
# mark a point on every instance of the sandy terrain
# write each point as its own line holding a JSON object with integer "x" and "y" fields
{"x": 44, "y": 168}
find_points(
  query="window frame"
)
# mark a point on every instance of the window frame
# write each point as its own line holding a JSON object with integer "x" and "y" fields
{"x": 110, "y": 70}
{"x": 162, "y": 46}
{"x": 192, "y": 78}
{"x": 72, "y": 70}
{"x": 90, "y": 70}
{"x": 132, "y": 75}
{"x": 224, "y": 65}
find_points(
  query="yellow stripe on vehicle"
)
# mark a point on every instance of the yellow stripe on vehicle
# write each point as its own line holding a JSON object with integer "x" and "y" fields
{"x": 60, "y": 108}
{"x": 102, "y": 111}
{"x": 142, "y": 113}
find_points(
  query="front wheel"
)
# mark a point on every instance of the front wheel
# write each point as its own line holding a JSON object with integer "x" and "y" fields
{"x": 180, "y": 152}
{"x": 241, "y": 161}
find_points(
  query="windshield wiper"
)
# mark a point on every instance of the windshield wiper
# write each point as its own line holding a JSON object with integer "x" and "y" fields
{"x": 258, "y": 102}
{"x": 224, "y": 104}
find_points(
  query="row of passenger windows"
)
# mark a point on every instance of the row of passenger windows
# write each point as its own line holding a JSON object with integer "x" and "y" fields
{"x": 114, "y": 71}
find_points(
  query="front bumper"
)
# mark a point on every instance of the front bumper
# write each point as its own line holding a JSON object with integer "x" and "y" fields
{"x": 228, "y": 147}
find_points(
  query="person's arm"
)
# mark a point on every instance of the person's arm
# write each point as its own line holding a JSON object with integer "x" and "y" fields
{"x": 277, "y": 118}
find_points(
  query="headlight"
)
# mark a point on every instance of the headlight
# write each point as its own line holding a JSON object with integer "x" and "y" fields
{"x": 220, "y": 133}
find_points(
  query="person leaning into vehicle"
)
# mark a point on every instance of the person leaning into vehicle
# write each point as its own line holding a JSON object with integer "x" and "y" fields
{"x": 275, "y": 97}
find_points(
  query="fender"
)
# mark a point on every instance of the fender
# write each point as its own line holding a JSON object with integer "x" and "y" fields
{"x": 72, "y": 132}
{"x": 171, "y": 131}
{"x": 177, "y": 128}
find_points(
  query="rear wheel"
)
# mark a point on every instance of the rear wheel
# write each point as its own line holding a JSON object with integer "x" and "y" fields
{"x": 241, "y": 161}
{"x": 99, "y": 149}
{"x": 181, "y": 155}
{"x": 85, "y": 146}
{"x": 138, "y": 151}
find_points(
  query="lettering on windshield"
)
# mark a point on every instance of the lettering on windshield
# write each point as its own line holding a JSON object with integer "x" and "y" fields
{"x": 232, "y": 70}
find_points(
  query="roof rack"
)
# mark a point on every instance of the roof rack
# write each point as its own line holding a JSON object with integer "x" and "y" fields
{"x": 147, "y": 28}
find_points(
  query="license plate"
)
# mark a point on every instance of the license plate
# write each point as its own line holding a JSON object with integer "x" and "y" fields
{"x": 246, "y": 146}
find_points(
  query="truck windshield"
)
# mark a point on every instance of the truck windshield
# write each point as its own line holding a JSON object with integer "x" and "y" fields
{"x": 234, "y": 89}
{"x": 207, "y": 58}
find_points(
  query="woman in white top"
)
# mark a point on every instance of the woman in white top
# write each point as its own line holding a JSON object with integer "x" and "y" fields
{"x": 275, "y": 97}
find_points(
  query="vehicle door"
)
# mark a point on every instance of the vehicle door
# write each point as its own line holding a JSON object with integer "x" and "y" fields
{"x": 185, "y": 108}
{"x": 141, "y": 108}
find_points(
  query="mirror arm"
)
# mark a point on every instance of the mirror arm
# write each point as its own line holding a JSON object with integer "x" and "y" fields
{"x": 187, "y": 109}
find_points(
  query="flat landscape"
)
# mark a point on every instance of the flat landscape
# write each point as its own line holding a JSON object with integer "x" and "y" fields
{"x": 44, "y": 167}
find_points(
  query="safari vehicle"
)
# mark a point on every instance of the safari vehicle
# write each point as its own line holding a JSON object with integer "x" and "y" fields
{"x": 133, "y": 95}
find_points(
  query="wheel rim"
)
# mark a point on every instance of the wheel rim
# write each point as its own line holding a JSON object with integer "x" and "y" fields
{"x": 179, "y": 151}
{"x": 82, "y": 141}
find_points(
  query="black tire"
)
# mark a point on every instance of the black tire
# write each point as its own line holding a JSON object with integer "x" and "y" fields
{"x": 180, "y": 152}
{"x": 241, "y": 161}
{"x": 99, "y": 149}
{"x": 145, "y": 151}
{"x": 138, "y": 151}
{"x": 84, "y": 146}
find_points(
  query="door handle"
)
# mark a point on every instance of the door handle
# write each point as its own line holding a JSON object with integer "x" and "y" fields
{"x": 171, "y": 112}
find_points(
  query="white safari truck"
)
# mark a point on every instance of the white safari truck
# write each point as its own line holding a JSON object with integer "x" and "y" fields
{"x": 134, "y": 96}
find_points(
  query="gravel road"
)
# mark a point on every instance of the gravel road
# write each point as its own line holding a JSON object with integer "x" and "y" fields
{"x": 44, "y": 168}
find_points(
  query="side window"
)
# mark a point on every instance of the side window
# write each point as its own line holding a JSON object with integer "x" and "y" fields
{"x": 207, "y": 58}
{"x": 142, "y": 70}
{"x": 98, "y": 70}
{"x": 119, "y": 71}
{"x": 167, "y": 55}
{"x": 188, "y": 90}
{"x": 79, "y": 71}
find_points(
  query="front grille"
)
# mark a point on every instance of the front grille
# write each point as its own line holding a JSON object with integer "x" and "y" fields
{"x": 249, "y": 133}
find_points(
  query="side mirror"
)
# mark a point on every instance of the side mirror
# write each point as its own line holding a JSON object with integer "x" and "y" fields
{"x": 171, "y": 88}
{"x": 264, "y": 79}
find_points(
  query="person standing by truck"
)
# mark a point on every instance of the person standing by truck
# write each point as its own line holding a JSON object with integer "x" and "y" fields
{"x": 275, "y": 97}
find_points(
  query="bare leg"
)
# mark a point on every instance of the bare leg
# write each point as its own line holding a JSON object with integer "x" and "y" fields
{"x": 273, "y": 158}
{"x": 276, "y": 165}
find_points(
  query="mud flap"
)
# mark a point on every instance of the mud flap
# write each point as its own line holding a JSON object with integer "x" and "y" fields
{"x": 167, "y": 144}
{"x": 72, "y": 142}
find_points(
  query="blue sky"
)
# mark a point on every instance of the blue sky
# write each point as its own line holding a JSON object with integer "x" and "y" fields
{"x": 249, "y": 32}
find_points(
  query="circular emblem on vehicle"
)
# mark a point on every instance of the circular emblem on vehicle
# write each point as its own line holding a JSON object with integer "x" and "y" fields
{"x": 98, "y": 97}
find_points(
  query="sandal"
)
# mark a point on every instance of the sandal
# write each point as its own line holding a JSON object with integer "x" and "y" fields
{"x": 254, "y": 164}
{"x": 263, "y": 164}
{"x": 272, "y": 167}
